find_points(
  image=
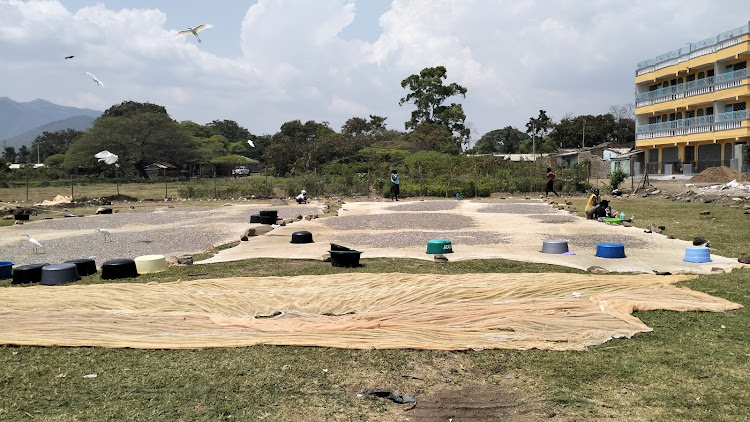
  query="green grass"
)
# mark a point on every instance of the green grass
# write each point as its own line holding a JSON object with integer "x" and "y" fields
{"x": 688, "y": 368}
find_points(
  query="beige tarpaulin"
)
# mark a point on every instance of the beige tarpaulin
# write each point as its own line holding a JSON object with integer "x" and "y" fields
{"x": 353, "y": 310}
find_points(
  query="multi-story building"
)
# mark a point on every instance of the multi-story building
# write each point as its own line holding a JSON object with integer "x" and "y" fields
{"x": 691, "y": 105}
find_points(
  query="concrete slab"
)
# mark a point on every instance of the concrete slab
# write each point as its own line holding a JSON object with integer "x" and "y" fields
{"x": 479, "y": 229}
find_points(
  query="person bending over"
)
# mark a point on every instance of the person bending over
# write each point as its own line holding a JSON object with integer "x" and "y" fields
{"x": 302, "y": 197}
{"x": 592, "y": 206}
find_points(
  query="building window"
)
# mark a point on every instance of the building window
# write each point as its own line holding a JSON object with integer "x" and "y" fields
{"x": 652, "y": 120}
{"x": 738, "y": 106}
{"x": 689, "y": 114}
{"x": 690, "y": 78}
{"x": 709, "y": 111}
{"x": 709, "y": 73}
{"x": 739, "y": 66}
{"x": 700, "y": 112}
{"x": 701, "y": 75}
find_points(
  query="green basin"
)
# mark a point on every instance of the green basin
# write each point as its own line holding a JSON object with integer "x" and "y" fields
{"x": 439, "y": 246}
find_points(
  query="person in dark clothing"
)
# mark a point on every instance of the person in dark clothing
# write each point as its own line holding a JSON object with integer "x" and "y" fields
{"x": 395, "y": 185}
{"x": 550, "y": 182}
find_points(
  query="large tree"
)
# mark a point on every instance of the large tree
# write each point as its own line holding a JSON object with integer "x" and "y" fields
{"x": 139, "y": 133}
{"x": 538, "y": 128}
{"x": 52, "y": 143}
{"x": 429, "y": 95}
{"x": 504, "y": 141}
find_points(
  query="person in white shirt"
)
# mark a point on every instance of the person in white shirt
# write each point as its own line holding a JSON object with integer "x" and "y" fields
{"x": 302, "y": 197}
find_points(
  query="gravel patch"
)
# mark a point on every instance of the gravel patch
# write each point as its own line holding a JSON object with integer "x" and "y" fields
{"x": 592, "y": 240}
{"x": 162, "y": 232}
{"x": 518, "y": 209}
{"x": 425, "y": 206}
{"x": 438, "y": 221}
{"x": 554, "y": 218}
{"x": 420, "y": 238}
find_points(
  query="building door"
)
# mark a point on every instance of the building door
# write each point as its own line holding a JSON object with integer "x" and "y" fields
{"x": 708, "y": 156}
{"x": 669, "y": 156}
{"x": 652, "y": 164}
{"x": 727, "y": 153}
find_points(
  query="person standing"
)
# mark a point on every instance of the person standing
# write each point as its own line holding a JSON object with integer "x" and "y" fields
{"x": 395, "y": 185}
{"x": 550, "y": 182}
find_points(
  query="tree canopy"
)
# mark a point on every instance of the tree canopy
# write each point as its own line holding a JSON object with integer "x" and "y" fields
{"x": 429, "y": 95}
{"x": 139, "y": 133}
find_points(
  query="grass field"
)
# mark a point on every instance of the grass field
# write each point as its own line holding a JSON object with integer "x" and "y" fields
{"x": 693, "y": 366}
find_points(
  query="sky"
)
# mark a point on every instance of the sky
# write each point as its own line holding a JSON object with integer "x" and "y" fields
{"x": 267, "y": 62}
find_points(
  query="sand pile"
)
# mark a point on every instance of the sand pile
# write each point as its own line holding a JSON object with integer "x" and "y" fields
{"x": 719, "y": 175}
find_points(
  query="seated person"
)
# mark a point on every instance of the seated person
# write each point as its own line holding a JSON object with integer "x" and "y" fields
{"x": 605, "y": 210}
{"x": 302, "y": 197}
{"x": 593, "y": 205}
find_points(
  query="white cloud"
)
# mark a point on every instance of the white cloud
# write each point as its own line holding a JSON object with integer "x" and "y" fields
{"x": 515, "y": 57}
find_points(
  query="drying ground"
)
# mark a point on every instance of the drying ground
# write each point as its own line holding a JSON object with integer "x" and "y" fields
{"x": 693, "y": 366}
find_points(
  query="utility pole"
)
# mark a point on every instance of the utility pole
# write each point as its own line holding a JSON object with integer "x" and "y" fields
{"x": 583, "y": 141}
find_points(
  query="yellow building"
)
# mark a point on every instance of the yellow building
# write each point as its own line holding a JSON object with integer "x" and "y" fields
{"x": 691, "y": 105}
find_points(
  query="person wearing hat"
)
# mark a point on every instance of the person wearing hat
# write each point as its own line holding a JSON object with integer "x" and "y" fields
{"x": 593, "y": 204}
{"x": 302, "y": 197}
{"x": 395, "y": 185}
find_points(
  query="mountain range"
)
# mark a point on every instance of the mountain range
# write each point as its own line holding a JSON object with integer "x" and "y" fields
{"x": 21, "y": 123}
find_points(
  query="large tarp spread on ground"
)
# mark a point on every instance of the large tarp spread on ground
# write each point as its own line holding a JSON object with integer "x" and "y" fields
{"x": 352, "y": 310}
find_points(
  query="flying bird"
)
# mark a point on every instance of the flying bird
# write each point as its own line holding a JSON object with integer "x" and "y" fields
{"x": 251, "y": 143}
{"x": 107, "y": 157}
{"x": 106, "y": 233}
{"x": 195, "y": 30}
{"x": 69, "y": 57}
{"x": 96, "y": 81}
{"x": 34, "y": 243}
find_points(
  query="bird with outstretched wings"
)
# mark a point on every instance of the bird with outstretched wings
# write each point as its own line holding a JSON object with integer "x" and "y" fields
{"x": 195, "y": 30}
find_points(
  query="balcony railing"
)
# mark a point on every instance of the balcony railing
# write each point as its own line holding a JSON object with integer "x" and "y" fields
{"x": 702, "y": 124}
{"x": 678, "y": 167}
{"x": 688, "y": 89}
{"x": 696, "y": 49}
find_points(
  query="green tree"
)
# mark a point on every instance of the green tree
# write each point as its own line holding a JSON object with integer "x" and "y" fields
{"x": 23, "y": 155}
{"x": 139, "y": 133}
{"x": 230, "y": 130}
{"x": 538, "y": 128}
{"x": 9, "y": 154}
{"x": 51, "y": 143}
{"x": 428, "y": 95}
{"x": 504, "y": 141}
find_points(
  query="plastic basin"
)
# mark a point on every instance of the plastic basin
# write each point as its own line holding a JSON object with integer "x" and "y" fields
{"x": 697, "y": 254}
{"x": 56, "y": 274}
{"x": 26, "y": 274}
{"x": 610, "y": 250}
{"x": 85, "y": 266}
{"x": 345, "y": 258}
{"x": 6, "y": 269}
{"x": 255, "y": 218}
{"x": 439, "y": 246}
{"x": 119, "y": 268}
{"x": 612, "y": 220}
{"x": 302, "y": 237}
{"x": 555, "y": 246}
{"x": 150, "y": 264}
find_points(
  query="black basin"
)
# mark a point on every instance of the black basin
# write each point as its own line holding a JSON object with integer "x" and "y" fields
{"x": 302, "y": 237}
{"x": 119, "y": 268}
{"x": 57, "y": 274}
{"x": 335, "y": 247}
{"x": 345, "y": 258}
{"x": 85, "y": 266}
{"x": 267, "y": 219}
{"x": 26, "y": 274}
{"x": 255, "y": 218}
{"x": 24, "y": 217}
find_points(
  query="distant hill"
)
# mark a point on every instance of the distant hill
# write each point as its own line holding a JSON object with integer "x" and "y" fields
{"x": 26, "y": 138}
{"x": 18, "y": 118}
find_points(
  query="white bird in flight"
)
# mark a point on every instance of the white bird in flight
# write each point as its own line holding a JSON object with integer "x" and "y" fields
{"x": 96, "y": 81}
{"x": 106, "y": 233}
{"x": 195, "y": 30}
{"x": 251, "y": 143}
{"x": 107, "y": 157}
{"x": 34, "y": 242}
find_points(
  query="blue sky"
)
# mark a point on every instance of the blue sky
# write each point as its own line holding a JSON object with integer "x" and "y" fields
{"x": 266, "y": 62}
